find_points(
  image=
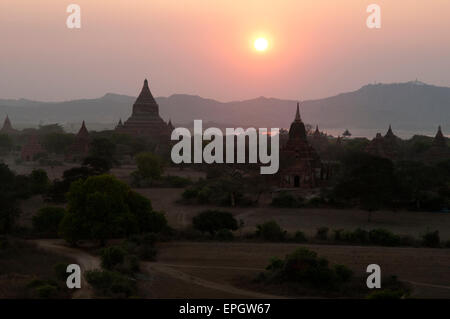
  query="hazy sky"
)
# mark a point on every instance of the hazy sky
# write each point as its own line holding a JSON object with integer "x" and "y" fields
{"x": 317, "y": 48}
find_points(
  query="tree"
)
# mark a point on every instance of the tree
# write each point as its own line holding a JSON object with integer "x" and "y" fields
{"x": 103, "y": 148}
{"x": 102, "y": 207}
{"x": 6, "y": 143}
{"x": 368, "y": 180}
{"x": 99, "y": 165}
{"x": 213, "y": 220}
{"x": 47, "y": 220}
{"x": 149, "y": 165}
{"x": 39, "y": 181}
{"x": 57, "y": 142}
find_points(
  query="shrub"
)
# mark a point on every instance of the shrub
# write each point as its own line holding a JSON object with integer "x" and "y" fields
{"x": 300, "y": 237}
{"x": 275, "y": 264}
{"x": 383, "y": 237}
{"x": 61, "y": 271}
{"x": 304, "y": 266}
{"x": 177, "y": 181}
{"x": 286, "y": 200}
{"x": 322, "y": 233}
{"x": 110, "y": 283}
{"x": 46, "y": 291}
{"x": 385, "y": 294}
{"x": 343, "y": 272}
{"x": 224, "y": 235}
{"x": 338, "y": 234}
{"x": 213, "y": 220}
{"x": 112, "y": 257}
{"x": 270, "y": 231}
{"x": 431, "y": 239}
{"x": 190, "y": 193}
{"x": 47, "y": 220}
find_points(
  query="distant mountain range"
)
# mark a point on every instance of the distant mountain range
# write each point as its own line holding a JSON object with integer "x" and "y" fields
{"x": 410, "y": 106}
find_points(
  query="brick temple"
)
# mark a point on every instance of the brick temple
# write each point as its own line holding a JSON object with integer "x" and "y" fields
{"x": 300, "y": 165}
{"x": 32, "y": 148}
{"x": 80, "y": 147}
{"x": 7, "y": 127}
{"x": 145, "y": 120}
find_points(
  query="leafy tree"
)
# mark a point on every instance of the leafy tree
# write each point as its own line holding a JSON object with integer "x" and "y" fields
{"x": 270, "y": 231}
{"x": 39, "y": 181}
{"x": 6, "y": 143}
{"x": 102, "y": 147}
{"x": 213, "y": 220}
{"x": 149, "y": 165}
{"x": 368, "y": 180}
{"x": 47, "y": 220}
{"x": 99, "y": 165}
{"x": 102, "y": 207}
{"x": 57, "y": 142}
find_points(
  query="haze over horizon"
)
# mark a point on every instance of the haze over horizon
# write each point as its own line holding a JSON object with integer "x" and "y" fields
{"x": 316, "y": 48}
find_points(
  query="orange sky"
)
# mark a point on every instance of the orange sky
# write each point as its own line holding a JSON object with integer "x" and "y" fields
{"x": 317, "y": 47}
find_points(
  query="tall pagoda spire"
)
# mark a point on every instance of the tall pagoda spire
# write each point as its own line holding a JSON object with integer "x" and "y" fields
{"x": 297, "y": 114}
{"x": 439, "y": 139}
{"x": 145, "y": 103}
{"x": 83, "y": 132}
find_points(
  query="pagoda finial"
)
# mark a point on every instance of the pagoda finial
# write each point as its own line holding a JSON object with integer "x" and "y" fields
{"x": 297, "y": 114}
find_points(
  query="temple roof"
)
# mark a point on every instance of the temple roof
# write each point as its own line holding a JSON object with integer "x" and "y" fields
{"x": 83, "y": 132}
{"x": 439, "y": 139}
{"x": 297, "y": 129}
{"x": 145, "y": 101}
{"x": 389, "y": 133}
{"x": 7, "y": 127}
{"x": 317, "y": 132}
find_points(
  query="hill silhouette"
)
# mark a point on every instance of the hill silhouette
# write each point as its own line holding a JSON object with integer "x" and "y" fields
{"x": 412, "y": 106}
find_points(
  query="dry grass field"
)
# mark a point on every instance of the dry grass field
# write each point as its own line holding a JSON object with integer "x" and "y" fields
{"x": 304, "y": 219}
{"x": 237, "y": 263}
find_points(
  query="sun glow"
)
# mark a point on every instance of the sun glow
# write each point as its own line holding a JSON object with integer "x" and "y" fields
{"x": 261, "y": 44}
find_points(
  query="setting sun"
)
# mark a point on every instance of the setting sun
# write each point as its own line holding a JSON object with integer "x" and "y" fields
{"x": 261, "y": 44}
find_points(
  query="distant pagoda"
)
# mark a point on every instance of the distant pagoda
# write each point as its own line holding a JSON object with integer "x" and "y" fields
{"x": 384, "y": 146}
{"x": 7, "y": 127}
{"x": 439, "y": 151}
{"x": 300, "y": 165}
{"x": 145, "y": 120}
{"x": 80, "y": 147}
{"x": 32, "y": 148}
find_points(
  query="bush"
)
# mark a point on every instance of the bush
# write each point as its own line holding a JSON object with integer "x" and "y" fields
{"x": 275, "y": 264}
{"x": 270, "y": 231}
{"x": 110, "y": 283}
{"x": 338, "y": 234}
{"x": 383, "y": 237}
{"x": 322, "y": 233}
{"x": 61, "y": 271}
{"x": 300, "y": 237}
{"x": 343, "y": 272}
{"x": 385, "y": 294}
{"x": 224, "y": 235}
{"x": 303, "y": 266}
{"x": 47, "y": 220}
{"x": 286, "y": 200}
{"x": 46, "y": 291}
{"x": 177, "y": 181}
{"x": 213, "y": 220}
{"x": 112, "y": 257}
{"x": 431, "y": 239}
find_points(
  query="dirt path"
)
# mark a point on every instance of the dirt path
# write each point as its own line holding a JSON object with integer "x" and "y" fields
{"x": 84, "y": 260}
{"x": 89, "y": 262}
{"x": 169, "y": 270}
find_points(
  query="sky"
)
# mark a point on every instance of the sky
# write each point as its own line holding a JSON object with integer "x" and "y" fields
{"x": 317, "y": 48}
